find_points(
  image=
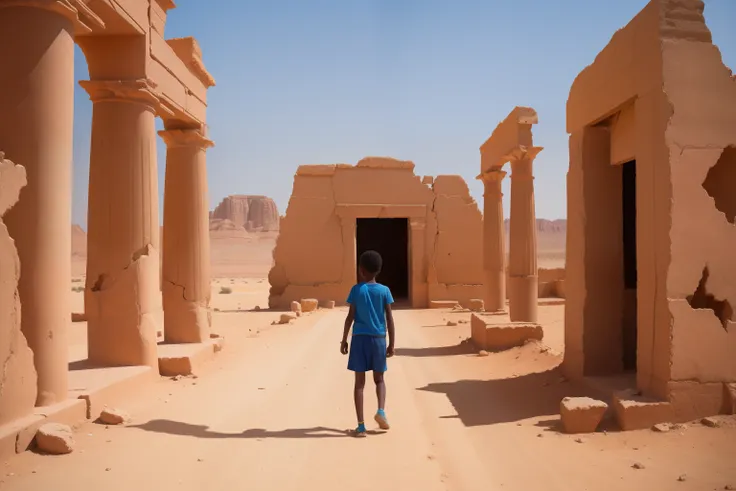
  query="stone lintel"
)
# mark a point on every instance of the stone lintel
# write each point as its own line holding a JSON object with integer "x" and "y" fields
{"x": 188, "y": 51}
{"x": 83, "y": 18}
{"x": 513, "y": 132}
{"x": 380, "y": 211}
{"x": 138, "y": 90}
{"x": 185, "y": 138}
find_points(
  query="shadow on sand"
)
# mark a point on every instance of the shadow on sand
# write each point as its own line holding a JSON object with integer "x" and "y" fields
{"x": 489, "y": 402}
{"x": 202, "y": 431}
{"x": 464, "y": 348}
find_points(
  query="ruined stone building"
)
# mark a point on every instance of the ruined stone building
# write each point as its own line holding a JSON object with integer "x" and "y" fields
{"x": 135, "y": 76}
{"x": 429, "y": 232}
{"x": 651, "y": 262}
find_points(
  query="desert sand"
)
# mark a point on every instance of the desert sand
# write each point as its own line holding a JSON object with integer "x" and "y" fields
{"x": 272, "y": 412}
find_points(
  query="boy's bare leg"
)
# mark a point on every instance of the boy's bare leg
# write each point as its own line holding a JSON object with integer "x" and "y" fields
{"x": 381, "y": 395}
{"x": 358, "y": 395}
{"x": 380, "y": 389}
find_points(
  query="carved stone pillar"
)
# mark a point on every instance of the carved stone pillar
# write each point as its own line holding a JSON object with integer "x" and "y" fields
{"x": 494, "y": 255}
{"x": 349, "y": 259}
{"x": 186, "y": 242}
{"x": 123, "y": 295}
{"x": 418, "y": 258}
{"x": 523, "y": 290}
{"x": 36, "y": 124}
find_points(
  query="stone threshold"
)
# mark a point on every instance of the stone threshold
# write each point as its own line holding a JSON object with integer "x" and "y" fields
{"x": 90, "y": 390}
{"x": 187, "y": 359}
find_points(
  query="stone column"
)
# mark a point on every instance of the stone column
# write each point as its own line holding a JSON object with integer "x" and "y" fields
{"x": 186, "y": 239}
{"x": 418, "y": 283}
{"x": 349, "y": 258}
{"x": 523, "y": 293}
{"x": 36, "y": 122}
{"x": 494, "y": 237}
{"x": 123, "y": 295}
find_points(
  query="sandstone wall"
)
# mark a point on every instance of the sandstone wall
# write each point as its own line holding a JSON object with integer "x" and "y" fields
{"x": 672, "y": 106}
{"x": 701, "y": 142}
{"x": 17, "y": 375}
{"x": 309, "y": 252}
{"x": 253, "y": 213}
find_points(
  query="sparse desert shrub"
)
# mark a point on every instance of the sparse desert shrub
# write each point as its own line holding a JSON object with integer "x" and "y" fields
{"x": 77, "y": 288}
{"x": 225, "y": 290}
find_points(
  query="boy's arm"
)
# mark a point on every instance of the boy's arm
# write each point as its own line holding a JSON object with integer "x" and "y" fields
{"x": 348, "y": 323}
{"x": 390, "y": 329}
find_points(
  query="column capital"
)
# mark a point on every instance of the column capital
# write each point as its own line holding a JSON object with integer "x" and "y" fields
{"x": 139, "y": 90}
{"x": 186, "y": 138}
{"x": 76, "y": 11}
{"x": 493, "y": 175}
{"x": 523, "y": 152}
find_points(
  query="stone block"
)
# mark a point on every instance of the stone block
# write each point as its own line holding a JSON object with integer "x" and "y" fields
{"x": 286, "y": 318}
{"x": 636, "y": 412}
{"x": 113, "y": 416}
{"x": 309, "y": 304}
{"x": 55, "y": 439}
{"x": 329, "y": 304}
{"x": 501, "y": 336}
{"x": 581, "y": 414}
{"x": 443, "y": 304}
{"x": 296, "y": 307}
{"x": 186, "y": 359}
{"x": 476, "y": 305}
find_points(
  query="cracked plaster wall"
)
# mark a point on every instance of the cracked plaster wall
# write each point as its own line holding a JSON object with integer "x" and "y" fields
{"x": 18, "y": 374}
{"x": 703, "y": 124}
{"x": 309, "y": 252}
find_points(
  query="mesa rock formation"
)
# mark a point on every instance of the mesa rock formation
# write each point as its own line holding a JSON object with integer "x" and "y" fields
{"x": 252, "y": 213}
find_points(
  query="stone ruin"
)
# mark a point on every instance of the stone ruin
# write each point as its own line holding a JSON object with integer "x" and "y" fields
{"x": 252, "y": 213}
{"x": 428, "y": 230}
{"x": 135, "y": 76}
{"x": 651, "y": 234}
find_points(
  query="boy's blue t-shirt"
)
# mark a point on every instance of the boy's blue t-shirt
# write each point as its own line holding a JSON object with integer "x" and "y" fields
{"x": 370, "y": 300}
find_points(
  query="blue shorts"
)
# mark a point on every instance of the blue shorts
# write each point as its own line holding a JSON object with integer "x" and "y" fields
{"x": 367, "y": 354}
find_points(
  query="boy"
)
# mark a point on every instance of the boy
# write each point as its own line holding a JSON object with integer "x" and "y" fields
{"x": 370, "y": 309}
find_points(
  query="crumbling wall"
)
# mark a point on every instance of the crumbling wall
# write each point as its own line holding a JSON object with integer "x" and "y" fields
{"x": 457, "y": 253}
{"x": 701, "y": 291}
{"x": 309, "y": 253}
{"x": 17, "y": 373}
{"x": 684, "y": 141}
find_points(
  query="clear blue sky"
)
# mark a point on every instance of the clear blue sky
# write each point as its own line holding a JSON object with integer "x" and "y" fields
{"x": 328, "y": 81}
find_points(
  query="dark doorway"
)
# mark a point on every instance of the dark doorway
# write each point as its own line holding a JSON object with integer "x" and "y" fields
{"x": 628, "y": 222}
{"x": 390, "y": 238}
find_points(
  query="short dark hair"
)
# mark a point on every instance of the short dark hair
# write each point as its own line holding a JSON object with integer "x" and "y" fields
{"x": 371, "y": 262}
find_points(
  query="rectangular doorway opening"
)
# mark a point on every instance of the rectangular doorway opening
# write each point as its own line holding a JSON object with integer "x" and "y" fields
{"x": 628, "y": 225}
{"x": 390, "y": 238}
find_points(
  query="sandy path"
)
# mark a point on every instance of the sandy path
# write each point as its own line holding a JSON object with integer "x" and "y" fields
{"x": 271, "y": 413}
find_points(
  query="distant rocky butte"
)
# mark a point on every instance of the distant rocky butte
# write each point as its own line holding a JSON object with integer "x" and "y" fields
{"x": 547, "y": 226}
{"x": 252, "y": 213}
